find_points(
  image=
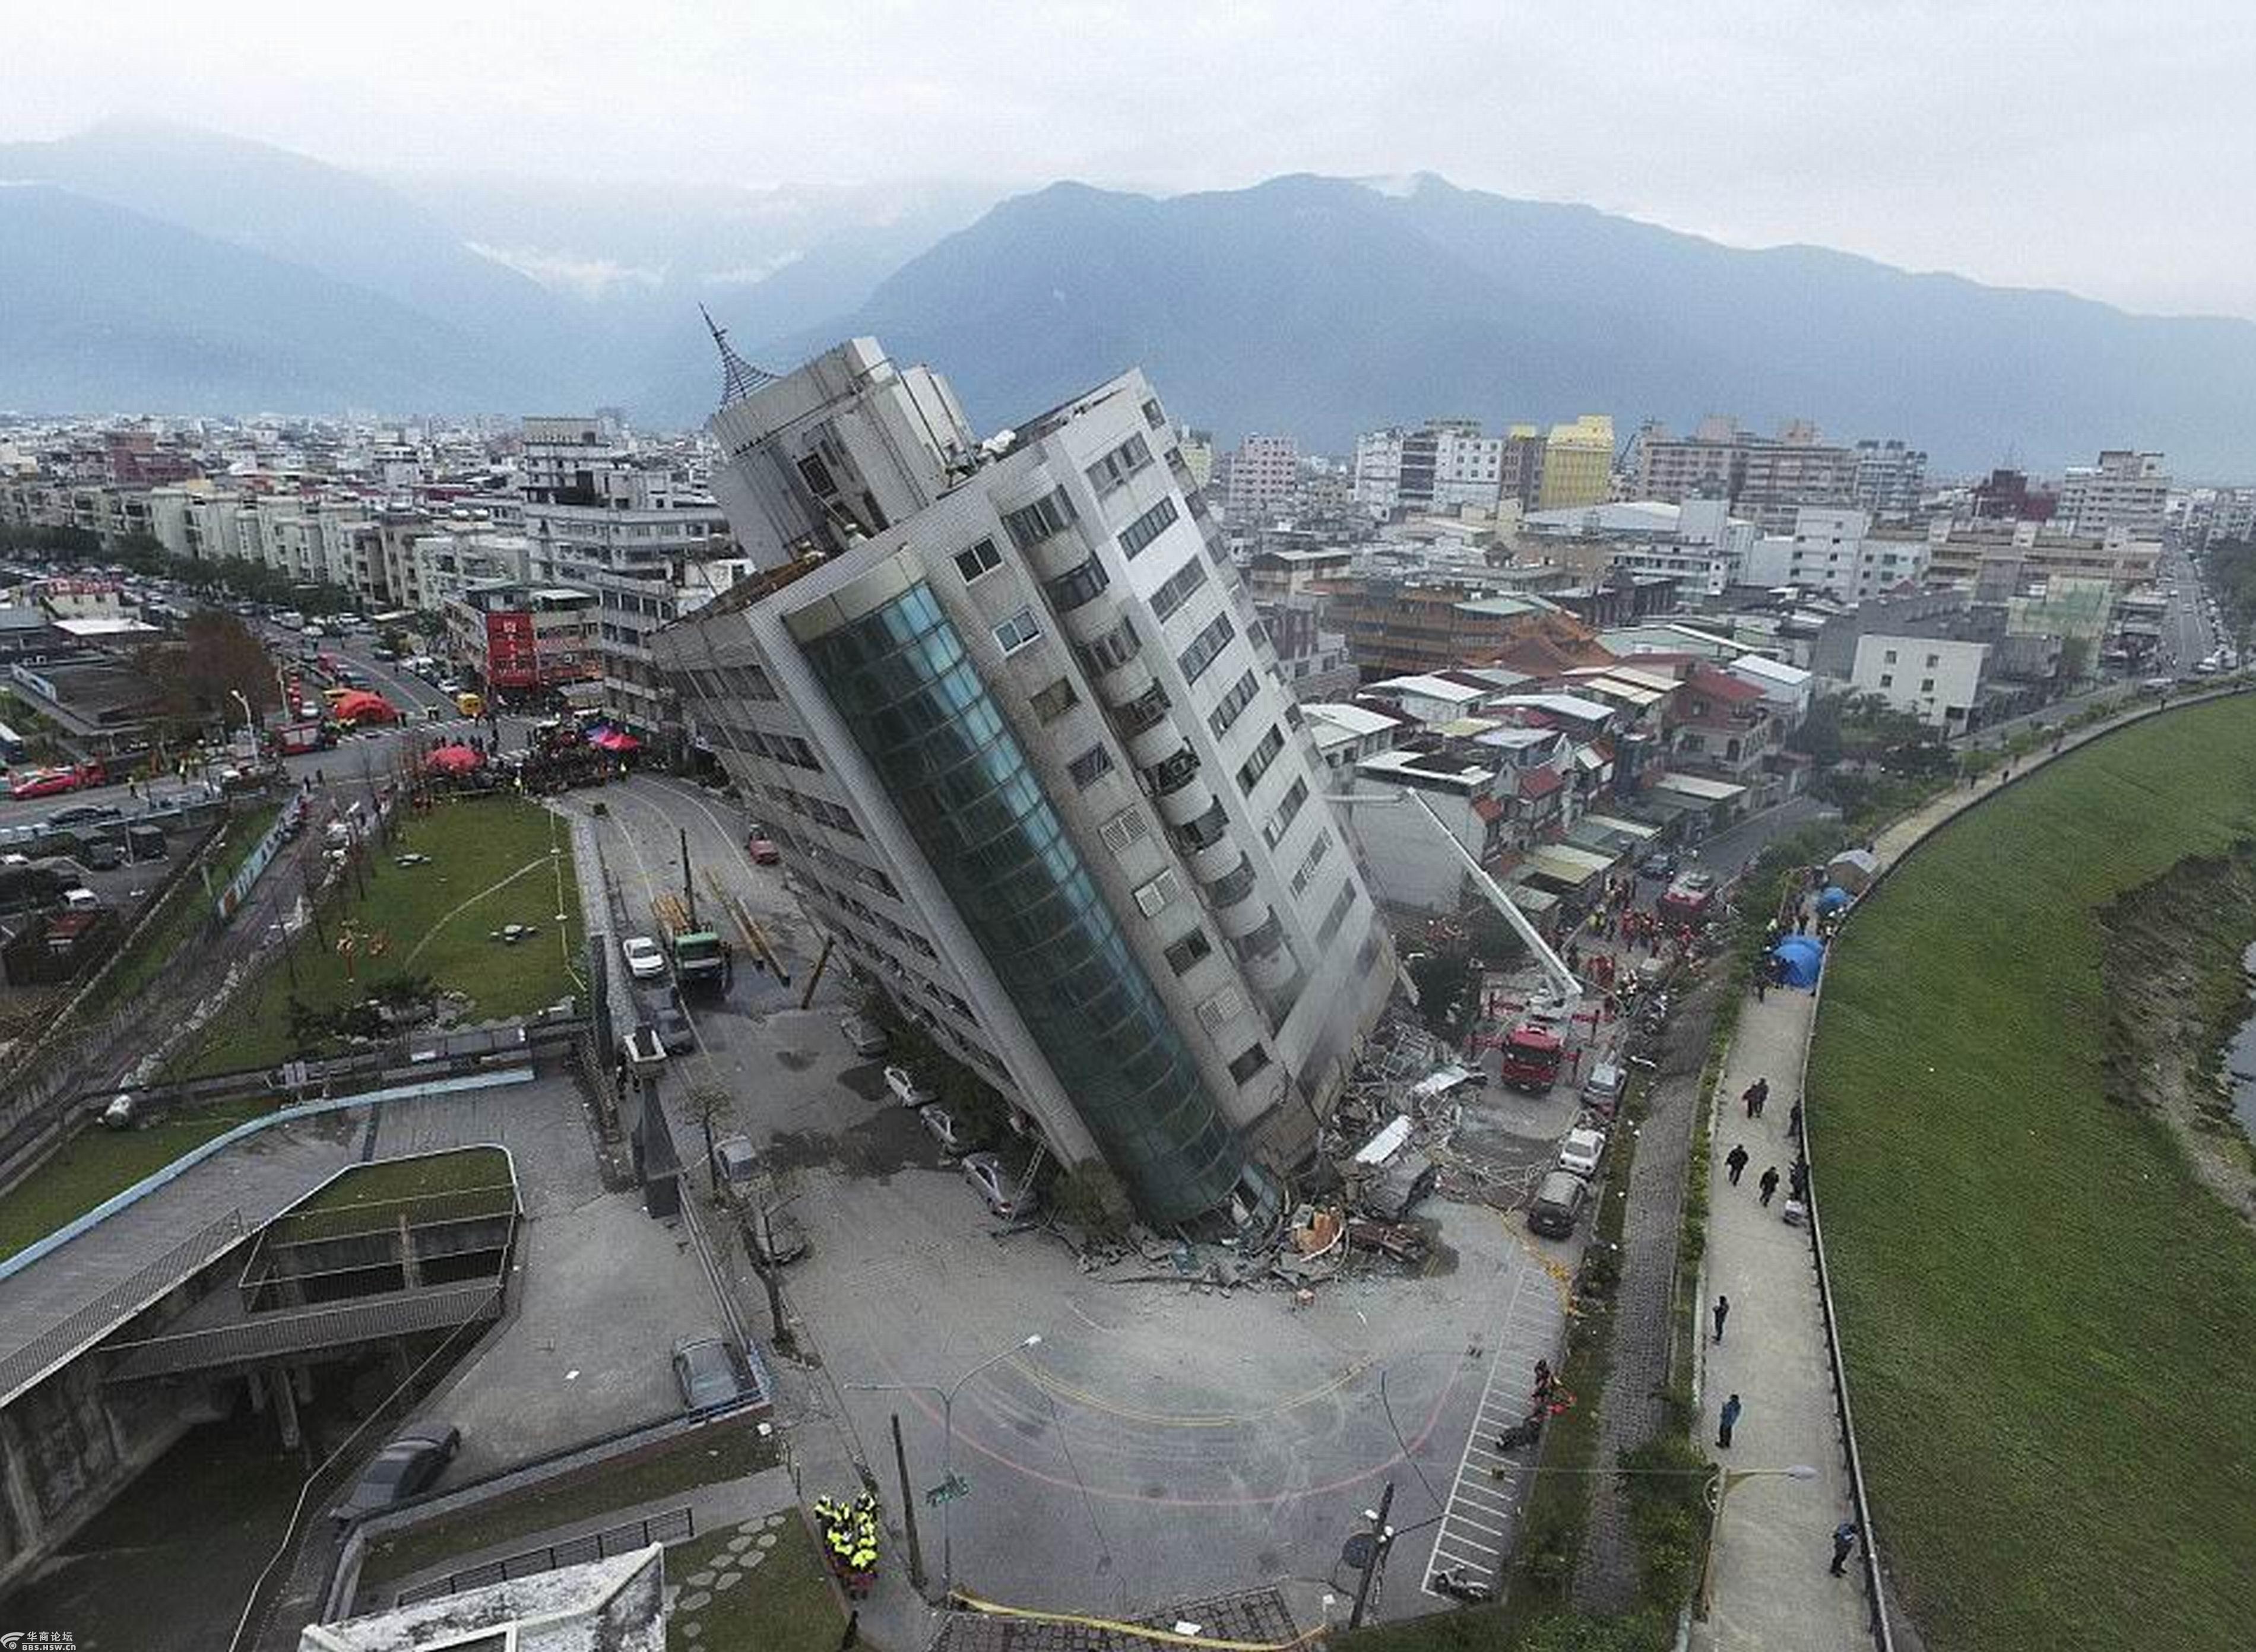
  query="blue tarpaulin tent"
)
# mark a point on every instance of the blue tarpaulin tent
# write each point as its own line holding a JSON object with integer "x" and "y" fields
{"x": 1832, "y": 898}
{"x": 1800, "y": 956}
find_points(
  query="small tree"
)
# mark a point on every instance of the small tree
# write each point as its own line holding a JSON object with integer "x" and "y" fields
{"x": 1091, "y": 1197}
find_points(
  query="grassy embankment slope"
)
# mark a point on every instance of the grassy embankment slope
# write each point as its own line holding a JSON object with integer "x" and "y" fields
{"x": 2048, "y": 1320}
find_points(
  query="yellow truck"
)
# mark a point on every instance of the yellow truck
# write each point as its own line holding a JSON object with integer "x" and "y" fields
{"x": 470, "y": 705}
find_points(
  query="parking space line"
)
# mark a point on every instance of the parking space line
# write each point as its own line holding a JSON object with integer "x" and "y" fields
{"x": 1478, "y": 1509}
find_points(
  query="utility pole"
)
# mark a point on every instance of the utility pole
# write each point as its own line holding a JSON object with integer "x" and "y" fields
{"x": 908, "y": 1509}
{"x": 688, "y": 883}
{"x": 1381, "y": 1534}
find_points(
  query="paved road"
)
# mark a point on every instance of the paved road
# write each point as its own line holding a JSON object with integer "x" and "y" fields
{"x": 1164, "y": 1439}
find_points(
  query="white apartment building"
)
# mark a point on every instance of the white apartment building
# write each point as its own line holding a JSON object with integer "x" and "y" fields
{"x": 1891, "y": 479}
{"x": 2124, "y": 489}
{"x": 596, "y": 515}
{"x": 1019, "y": 733}
{"x": 1937, "y": 680}
{"x": 1442, "y": 465}
{"x": 1263, "y": 472}
{"x": 1837, "y": 553}
{"x": 1411, "y": 869}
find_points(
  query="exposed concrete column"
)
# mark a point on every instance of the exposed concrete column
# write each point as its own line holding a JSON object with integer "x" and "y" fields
{"x": 301, "y": 1379}
{"x": 257, "y": 1382}
{"x": 285, "y": 1407}
{"x": 411, "y": 1265}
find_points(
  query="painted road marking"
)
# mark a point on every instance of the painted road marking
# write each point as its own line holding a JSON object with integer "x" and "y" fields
{"x": 1531, "y": 1324}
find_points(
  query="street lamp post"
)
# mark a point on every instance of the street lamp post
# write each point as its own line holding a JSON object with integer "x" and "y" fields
{"x": 249, "y": 723}
{"x": 1718, "y": 1488}
{"x": 948, "y": 1440}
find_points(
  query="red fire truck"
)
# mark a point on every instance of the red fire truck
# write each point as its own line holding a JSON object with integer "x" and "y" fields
{"x": 1530, "y": 1055}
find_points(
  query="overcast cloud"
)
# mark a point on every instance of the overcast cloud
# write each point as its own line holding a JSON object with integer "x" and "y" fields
{"x": 2102, "y": 147}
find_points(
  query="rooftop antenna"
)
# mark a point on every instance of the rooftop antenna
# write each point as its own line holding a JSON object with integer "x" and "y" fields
{"x": 739, "y": 378}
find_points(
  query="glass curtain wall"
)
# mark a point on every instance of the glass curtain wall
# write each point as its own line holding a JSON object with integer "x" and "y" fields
{"x": 917, "y": 707}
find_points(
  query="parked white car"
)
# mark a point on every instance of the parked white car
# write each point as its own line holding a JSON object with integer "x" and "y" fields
{"x": 1003, "y": 1197}
{"x": 1581, "y": 1152}
{"x": 646, "y": 961}
{"x": 906, "y": 1090}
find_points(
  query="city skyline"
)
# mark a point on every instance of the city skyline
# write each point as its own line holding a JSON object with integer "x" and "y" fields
{"x": 1854, "y": 132}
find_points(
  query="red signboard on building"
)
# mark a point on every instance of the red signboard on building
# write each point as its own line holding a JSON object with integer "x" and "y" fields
{"x": 513, "y": 659}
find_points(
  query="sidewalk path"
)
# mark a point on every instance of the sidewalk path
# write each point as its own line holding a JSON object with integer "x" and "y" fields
{"x": 1772, "y": 1591}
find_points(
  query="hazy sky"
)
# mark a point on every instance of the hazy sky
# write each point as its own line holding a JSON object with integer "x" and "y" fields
{"x": 2093, "y": 145}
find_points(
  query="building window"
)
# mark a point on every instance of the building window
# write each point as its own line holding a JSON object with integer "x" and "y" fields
{"x": 1176, "y": 590}
{"x": 1187, "y": 951}
{"x": 1115, "y": 648}
{"x": 1288, "y": 808}
{"x": 1250, "y": 772}
{"x": 1147, "y": 527}
{"x": 1015, "y": 632}
{"x": 1090, "y": 767}
{"x": 1121, "y": 463}
{"x": 1934, "y": 660}
{"x": 1317, "y": 850}
{"x": 980, "y": 559}
{"x": 1926, "y": 684}
{"x": 1033, "y": 523}
{"x": 1888, "y": 658}
{"x": 1337, "y": 916}
{"x": 1887, "y": 681}
{"x": 1249, "y": 1064}
{"x": 815, "y": 473}
{"x": 1055, "y": 700}
{"x": 1069, "y": 590}
{"x": 1233, "y": 703}
{"x": 1205, "y": 646}
{"x": 1152, "y": 415}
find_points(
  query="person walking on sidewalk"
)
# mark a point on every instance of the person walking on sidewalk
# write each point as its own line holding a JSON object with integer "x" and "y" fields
{"x": 1844, "y": 1542}
{"x": 1794, "y": 1123}
{"x": 1754, "y": 1096}
{"x": 1736, "y": 1161}
{"x": 1726, "y": 1420}
{"x": 1722, "y": 1312}
{"x": 1768, "y": 1185}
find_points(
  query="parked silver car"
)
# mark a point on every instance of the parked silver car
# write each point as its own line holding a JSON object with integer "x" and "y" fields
{"x": 705, "y": 1370}
{"x": 1012, "y": 1200}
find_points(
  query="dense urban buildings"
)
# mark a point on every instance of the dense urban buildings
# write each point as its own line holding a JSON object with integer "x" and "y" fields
{"x": 1764, "y": 479}
{"x": 1578, "y": 460}
{"x": 1263, "y": 472}
{"x": 1018, "y": 730}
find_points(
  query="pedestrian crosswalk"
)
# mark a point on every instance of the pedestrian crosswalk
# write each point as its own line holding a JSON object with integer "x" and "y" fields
{"x": 1478, "y": 1523}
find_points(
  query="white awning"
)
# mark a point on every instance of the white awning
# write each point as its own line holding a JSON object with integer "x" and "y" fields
{"x": 1699, "y": 789}
{"x": 1636, "y": 829}
{"x": 1573, "y": 867}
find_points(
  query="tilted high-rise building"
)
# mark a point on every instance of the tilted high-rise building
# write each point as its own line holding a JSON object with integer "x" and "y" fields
{"x": 1011, "y": 717}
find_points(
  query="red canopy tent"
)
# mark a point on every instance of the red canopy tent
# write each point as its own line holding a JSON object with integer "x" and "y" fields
{"x": 617, "y": 741}
{"x": 361, "y": 706}
{"x": 452, "y": 760}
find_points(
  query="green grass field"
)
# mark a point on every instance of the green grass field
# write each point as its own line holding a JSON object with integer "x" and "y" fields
{"x": 785, "y": 1604}
{"x": 705, "y": 1457}
{"x": 490, "y": 866}
{"x": 2047, "y": 1322}
{"x": 98, "y": 1162}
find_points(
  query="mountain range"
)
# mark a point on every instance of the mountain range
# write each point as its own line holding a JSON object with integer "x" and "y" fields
{"x": 167, "y": 269}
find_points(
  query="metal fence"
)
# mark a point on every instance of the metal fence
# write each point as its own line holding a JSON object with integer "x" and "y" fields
{"x": 62, "y": 1342}
{"x": 675, "y": 1525}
